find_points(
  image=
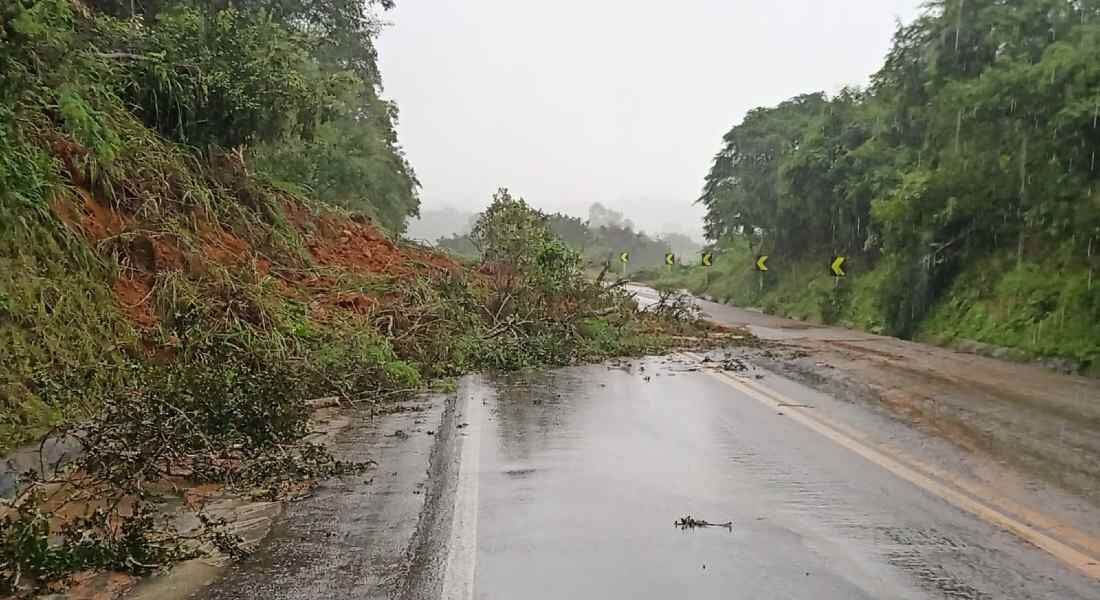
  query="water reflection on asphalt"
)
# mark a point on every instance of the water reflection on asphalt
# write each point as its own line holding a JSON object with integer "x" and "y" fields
{"x": 584, "y": 470}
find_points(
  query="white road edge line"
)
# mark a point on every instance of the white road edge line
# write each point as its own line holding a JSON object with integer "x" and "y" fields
{"x": 1069, "y": 555}
{"x": 461, "y": 566}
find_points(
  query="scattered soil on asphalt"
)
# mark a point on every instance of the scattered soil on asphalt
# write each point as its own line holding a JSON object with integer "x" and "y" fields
{"x": 1042, "y": 423}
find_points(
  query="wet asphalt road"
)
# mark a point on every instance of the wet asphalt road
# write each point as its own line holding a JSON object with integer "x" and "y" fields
{"x": 566, "y": 483}
{"x": 352, "y": 538}
{"x": 579, "y": 474}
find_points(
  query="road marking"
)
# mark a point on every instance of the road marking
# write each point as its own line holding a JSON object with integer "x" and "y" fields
{"x": 915, "y": 473}
{"x": 461, "y": 565}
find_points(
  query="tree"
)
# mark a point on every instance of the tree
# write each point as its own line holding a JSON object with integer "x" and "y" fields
{"x": 517, "y": 242}
{"x": 296, "y": 82}
{"x": 977, "y": 136}
{"x": 601, "y": 216}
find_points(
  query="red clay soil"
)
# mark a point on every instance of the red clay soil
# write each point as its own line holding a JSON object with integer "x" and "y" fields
{"x": 362, "y": 247}
{"x": 439, "y": 261}
{"x": 167, "y": 255}
{"x": 66, "y": 212}
{"x": 72, "y": 156}
{"x": 134, "y": 299}
{"x": 356, "y": 302}
{"x": 221, "y": 246}
{"x": 353, "y": 244}
{"x": 298, "y": 215}
{"x": 89, "y": 217}
{"x": 102, "y": 222}
{"x": 357, "y": 247}
{"x": 323, "y": 306}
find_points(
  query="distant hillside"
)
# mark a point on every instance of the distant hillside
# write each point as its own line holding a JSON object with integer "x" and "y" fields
{"x": 440, "y": 222}
{"x": 600, "y": 239}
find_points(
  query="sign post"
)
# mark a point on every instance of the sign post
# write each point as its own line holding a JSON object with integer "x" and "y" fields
{"x": 836, "y": 266}
{"x": 624, "y": 257}
{"x": 708, "y": 260}
{"x": 836, "y": 269}
{"x": 762, "y": 267}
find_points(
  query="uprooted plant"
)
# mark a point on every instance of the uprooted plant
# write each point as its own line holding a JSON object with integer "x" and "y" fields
{"x": 539, "y": 297}
{"x": 99, "y": 539}
{"x": 220, "y": 418}
{"x": 230, "y": 408}
{"x": 226, "y": 416}
{"x": 675, "y": 306}
{"x": 528, "y": 302}
{"x": 183, "y": 303}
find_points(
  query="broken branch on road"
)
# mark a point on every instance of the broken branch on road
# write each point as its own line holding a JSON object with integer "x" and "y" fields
{"x": 688, "y": 522}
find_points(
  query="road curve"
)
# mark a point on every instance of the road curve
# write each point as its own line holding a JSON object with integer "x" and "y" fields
{"x": 567, "y": 483}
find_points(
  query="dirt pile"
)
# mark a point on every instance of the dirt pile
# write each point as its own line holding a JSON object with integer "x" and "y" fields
{"x": 362, "y": 247}
{"x": 335, "y": 244}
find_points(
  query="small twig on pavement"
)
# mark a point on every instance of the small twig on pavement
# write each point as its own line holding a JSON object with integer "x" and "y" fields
{"x": 687, "y": 522}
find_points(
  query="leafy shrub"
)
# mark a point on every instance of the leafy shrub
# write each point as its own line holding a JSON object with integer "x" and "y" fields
{"x": 223, "y": 404}
{"x": 354, "y": 361}
{"x": 224, "y": 79}
{"x": 100, "y": 540}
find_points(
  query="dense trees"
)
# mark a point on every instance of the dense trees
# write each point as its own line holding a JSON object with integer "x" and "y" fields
{"x": 598, "y": 240}
{"x": 290, "y": 86}
{"x": 976, "y": 138}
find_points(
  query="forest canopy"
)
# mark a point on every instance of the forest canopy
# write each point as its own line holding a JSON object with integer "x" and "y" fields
{"x": 977, "y": 138}
{"x": 290, "y": 87}
{"x": 600, "y": 240}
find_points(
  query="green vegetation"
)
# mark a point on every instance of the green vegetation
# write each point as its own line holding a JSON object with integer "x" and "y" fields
{"x": 961, "y": 185}
{"x": 599, "y": 241}
{"x": 197, "y": 209}
{"x": 25, "y": 543}
{"x": 110, "y": 125}
{"x": 541, "y": 301}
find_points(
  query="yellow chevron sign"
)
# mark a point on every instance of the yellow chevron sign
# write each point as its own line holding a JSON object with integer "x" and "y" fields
{"x": 837, "y": 266}
{"x": 670, "y": 259}
{"x": 624, "y": 257}
{"x": 708, "y": 259}
{"x": 761, "y": 263}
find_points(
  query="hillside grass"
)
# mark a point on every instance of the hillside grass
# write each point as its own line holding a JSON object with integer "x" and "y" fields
{"x": 1039, "y": 309}
{"x": 1044, "y": 309}
{"x": 125, "y": 252}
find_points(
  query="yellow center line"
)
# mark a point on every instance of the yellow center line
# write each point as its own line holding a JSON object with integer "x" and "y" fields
{"x": 927, "y": 478}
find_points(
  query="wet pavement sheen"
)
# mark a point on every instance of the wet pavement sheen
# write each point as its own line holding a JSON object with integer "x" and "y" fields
{"x": 581, "y": 473}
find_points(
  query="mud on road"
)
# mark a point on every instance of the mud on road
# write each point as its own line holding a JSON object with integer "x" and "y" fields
{"x": 583, "y": 471}
{"x": 1025, "y": 431}
{"x": 1024, "y": 438}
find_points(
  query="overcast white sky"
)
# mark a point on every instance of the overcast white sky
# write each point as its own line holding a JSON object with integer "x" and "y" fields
{"x": 624, "y": 102}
